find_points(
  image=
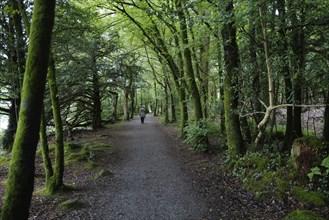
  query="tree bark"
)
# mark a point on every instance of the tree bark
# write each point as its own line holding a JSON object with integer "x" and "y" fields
{"x": 57, "y": 180}
{"x": 188, "y": 63}
{"x": 262, "y": 124}
{"x": 283, "y": 50}
{"x": 45, "y": 150}
{"x": 298, "y": 48}
{"x": 21, "y": 172}
{"x": 115, "y": 97}
{"x": 231, "y": 59}
{"x": 97, "y": 105}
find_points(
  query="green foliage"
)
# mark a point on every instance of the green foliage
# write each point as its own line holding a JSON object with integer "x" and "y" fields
{"x": 197, "y": 135}
{"x": 303, "y": 215}
{"x": 72, "y": 204}
{"x": 309, "y": 197}
{"x": 319, "y": 176}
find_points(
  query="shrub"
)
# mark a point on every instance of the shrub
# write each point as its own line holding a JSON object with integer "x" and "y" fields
{"x": 197, "y": 136}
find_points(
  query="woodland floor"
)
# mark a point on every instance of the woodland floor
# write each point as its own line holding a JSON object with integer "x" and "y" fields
{"x": 155, "y": 176}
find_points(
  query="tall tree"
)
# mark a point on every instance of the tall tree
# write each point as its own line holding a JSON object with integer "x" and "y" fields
{"x": 21, "y": 172}
{"x": 56, "y": 181}
{"x": 231, "y": 100}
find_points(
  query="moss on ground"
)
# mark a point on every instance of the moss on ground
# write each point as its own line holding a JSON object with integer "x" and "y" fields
{"x": 309, "y": 197}
{"x": 103, "y": 173}
{"x": 72, "y": 204}
{"x": 263, "y": 174}
{"x": 303, "y": 215}
{"x": 85, "y": 152}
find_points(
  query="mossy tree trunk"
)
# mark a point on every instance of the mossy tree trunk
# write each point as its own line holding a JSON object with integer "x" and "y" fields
{"x": 132, "y": 102}
{"x": 188, "y": 66}
{"x": 20, "y": 180}
{"x": 115, "y": 97}
{"x": 45, "y": 150}
{"x": 231, "y": 59}
{"x": 57, "y": 179}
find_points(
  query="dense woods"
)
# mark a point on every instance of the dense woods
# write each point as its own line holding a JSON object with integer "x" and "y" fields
{"x": 253, "y": 75}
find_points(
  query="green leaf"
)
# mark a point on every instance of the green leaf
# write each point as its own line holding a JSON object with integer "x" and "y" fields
{"x": 314, "y": 171}
{"x": 325, "y": 162}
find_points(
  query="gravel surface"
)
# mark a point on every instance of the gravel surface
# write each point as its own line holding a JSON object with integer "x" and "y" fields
{"x": 150, "y": 182}
{"x": 155, "y": 176}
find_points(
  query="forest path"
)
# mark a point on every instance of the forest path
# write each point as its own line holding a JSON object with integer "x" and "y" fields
{"x": 150, "y": 181}
{"x": 154, "y": 177}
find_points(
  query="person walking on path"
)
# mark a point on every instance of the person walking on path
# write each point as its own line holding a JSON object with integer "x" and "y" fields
{"x": 142, "y": 114}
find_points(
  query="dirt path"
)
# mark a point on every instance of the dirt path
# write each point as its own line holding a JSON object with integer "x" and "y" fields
{"x": 155, "y": 177}
{"x": 149, "y": 183}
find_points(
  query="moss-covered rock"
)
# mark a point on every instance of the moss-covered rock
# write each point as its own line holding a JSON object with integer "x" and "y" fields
{"x": 309, "y": 197}
{"x": 303, "y": 215}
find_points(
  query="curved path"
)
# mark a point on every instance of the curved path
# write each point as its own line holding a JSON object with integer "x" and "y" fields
{"x": 149, "y": 182}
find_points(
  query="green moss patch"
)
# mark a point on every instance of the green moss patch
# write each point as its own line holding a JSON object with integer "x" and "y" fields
{"x": 103, "y": 173}
{"x": 309, "y": 197}
{"x": 265, "y": 174}
{"x": 4, "y": 161}
{"x": 72, "y": 204}
{"x": 303, "y": 215}
{"x": 86, "y": 152}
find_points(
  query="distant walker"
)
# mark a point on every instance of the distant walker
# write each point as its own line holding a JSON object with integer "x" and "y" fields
{"x": 142, "y": 114}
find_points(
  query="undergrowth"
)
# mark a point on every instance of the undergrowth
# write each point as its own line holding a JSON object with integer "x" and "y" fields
{"x": 196, "y": 134}
{"x": 267, "y": 174}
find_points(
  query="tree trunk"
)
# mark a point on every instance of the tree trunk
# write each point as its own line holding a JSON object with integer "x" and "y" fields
{"x": 256, "y": 84}
{"x": 20, "y": 180}
{"x": 17, "y": 56}
{"x": 262, "y": 124}
{"x": 221, "y": 89}
{"x": 298, "y": 48}
{"x": 115, "y": 97}
{"x": 97, "y": 105}
{"x": 45, "y": 151}
{"x": 8, "y": 136}
{"x": 126, "y": 105}
{"x": 166, "y": 102}
{"x": 132, "y": 103}
{"x": 204, "y": 73}
{"x": 231, "y": 59}
{"x": 155, "y": 113}
{"x": 283, "y": 49}
{"x": 57, "y": 180}
{"x": 188, "y": 63}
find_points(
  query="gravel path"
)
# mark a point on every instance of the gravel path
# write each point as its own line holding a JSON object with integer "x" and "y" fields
{"x": 149, "y": 182}
{"x": 155, "y": 177}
